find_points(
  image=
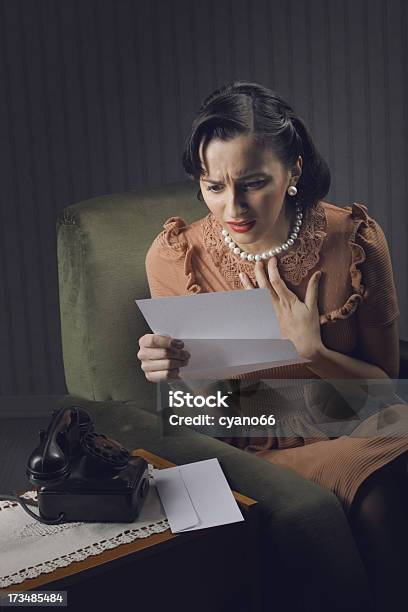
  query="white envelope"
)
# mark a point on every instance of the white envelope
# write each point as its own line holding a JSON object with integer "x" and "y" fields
{"x": 196, "y": 496}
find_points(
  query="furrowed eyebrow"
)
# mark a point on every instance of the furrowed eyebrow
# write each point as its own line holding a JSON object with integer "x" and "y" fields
{"x": 241, "y": 178}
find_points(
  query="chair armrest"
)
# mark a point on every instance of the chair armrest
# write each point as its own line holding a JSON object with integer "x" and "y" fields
{"x": 101, "y": 246}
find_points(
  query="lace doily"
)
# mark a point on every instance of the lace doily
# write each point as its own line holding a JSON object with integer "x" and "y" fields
{"x": 30, "y": 548}
{"x": 293, "y": 266}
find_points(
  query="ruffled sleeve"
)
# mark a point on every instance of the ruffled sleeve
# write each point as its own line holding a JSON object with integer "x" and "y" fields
{"x": 169, "y": 265}
{"x": 372, "y": 293}
{"x": 371, "y": 271}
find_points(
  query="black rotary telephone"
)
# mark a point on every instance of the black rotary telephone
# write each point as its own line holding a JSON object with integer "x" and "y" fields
{"x": 81, "y": 475}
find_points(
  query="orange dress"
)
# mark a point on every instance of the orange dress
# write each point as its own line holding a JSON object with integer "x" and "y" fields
{"x": 356, "y": 289}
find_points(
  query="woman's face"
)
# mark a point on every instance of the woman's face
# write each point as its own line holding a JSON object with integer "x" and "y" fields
{"x": 244, "y": 187}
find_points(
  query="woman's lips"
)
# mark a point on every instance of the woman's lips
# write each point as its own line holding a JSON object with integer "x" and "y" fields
{"x": 241, "y": 228}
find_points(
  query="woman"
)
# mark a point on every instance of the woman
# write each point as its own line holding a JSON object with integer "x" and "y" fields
{"x": 329, "y": 274}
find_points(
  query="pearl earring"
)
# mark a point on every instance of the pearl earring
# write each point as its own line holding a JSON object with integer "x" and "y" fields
{"x": 292, "y": 191}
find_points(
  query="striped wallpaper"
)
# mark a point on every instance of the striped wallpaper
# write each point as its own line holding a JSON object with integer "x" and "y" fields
{"x": 96, "y": 96}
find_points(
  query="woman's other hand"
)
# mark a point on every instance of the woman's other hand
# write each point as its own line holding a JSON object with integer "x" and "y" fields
{"x": 161, "y": 357}
{"x": 298, "y": 321}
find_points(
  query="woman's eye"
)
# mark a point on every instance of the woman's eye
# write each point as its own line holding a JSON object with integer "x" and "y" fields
{"x": 255, "y": 184}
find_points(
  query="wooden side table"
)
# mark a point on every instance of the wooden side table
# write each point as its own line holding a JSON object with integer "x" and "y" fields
{"x": 216, "y": 568}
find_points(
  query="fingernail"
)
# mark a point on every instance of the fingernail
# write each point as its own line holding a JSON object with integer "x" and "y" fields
{"x": 177, "y": 344}
{"x": 241, "y": 277}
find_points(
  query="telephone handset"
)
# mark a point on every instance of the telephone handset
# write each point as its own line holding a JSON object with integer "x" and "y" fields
{"x": 81, "y": 475}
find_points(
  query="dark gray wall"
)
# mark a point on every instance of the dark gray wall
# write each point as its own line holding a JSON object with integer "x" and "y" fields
{"x": 96, "y": 97}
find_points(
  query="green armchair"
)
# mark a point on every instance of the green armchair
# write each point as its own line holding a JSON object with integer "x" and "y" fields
{"x": 309, "y": 558}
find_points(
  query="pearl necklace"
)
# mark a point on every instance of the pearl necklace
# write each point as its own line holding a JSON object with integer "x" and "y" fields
{"x": 267, "y": 254}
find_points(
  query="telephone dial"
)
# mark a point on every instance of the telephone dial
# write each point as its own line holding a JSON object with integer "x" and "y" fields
{"x": 81, "y": 475}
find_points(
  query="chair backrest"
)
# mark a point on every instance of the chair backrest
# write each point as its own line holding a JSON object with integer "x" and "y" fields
{"x": 102, "y": 244}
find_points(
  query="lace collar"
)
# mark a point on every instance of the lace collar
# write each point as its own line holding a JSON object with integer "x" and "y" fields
{"x": 293, "y": 266}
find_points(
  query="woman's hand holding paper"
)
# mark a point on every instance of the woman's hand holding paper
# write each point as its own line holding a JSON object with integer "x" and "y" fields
{"x": 161, "y": 357}
{"x": 298, "y": 321}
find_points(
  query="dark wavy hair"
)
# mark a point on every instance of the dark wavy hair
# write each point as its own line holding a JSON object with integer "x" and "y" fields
{"x": 245, "y": 108}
